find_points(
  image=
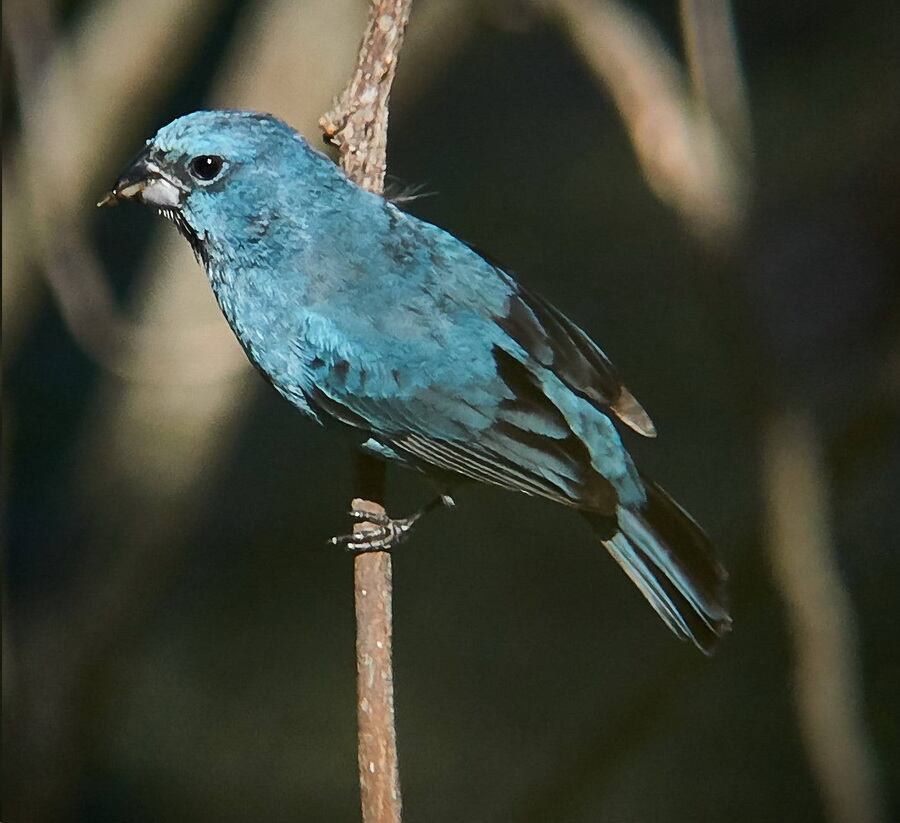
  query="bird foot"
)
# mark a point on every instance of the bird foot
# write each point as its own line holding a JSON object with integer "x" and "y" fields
{"x": 377, "y": 532}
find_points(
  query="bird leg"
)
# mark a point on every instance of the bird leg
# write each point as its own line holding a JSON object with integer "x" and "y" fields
{"x": 383, "y": 533}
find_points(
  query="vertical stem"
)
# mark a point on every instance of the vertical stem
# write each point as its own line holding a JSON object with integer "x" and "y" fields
{"x": 357, "y": 125}
{"x": 822, "y": 621}
{"x": 379, "y": 776}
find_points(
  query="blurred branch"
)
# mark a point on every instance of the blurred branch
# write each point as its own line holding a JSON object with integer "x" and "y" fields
{"x": 158, "y": 445}
{"x": 823, "y": 624}
{"x": 357, "y": 125}
{"x": 47, "y": 71}
{"x": 149, "y": 454}
{"x": 712, "y": 54}
{"x": 683, "y": 156}
{"x": 151, "y": 448}
{"x": 69, "y": 136}
{"x": 695, "y": 148}
{"x": 20, "y": 297}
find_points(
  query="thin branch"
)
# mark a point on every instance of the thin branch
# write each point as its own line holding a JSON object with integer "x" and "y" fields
{"x": 683, "y": 155}
{"x": 379, "y": 775}
{"x": 711, "y": 51}
{"x": 357, "y": 125}
{"x": 822, "y": 621}
{"x": 65, "y": 150}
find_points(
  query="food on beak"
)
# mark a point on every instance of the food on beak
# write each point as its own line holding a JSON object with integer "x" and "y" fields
{"x": 145, "y": 182}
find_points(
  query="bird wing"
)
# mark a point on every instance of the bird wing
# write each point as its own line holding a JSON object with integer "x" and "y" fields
{"x": 504, "y": 431}
{"x": 521, "y": 400}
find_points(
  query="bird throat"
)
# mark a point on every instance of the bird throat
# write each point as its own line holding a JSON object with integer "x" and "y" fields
{"x": 198, "y": 245}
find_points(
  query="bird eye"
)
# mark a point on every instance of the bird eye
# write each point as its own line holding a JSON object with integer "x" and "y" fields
{"x": 206, "y": 167}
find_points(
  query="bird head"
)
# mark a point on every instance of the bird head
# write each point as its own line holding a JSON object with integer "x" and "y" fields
{"x": 220, "y": 174}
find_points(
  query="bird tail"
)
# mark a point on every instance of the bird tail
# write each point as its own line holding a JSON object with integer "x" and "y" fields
{"x": 670, "y": 559}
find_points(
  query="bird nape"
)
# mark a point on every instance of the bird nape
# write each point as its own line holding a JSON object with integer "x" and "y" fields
{"x": 391, "y": 330}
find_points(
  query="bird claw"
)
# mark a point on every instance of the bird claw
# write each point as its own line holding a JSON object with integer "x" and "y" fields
{"x": 378, "y": 518}
{"x": 383, "y": 534}
{"x": 376, "y": 532}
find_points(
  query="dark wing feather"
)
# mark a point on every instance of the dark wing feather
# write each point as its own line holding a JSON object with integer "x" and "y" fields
{"x": 524, "y": 443}
{"x": 558, "y": 344}
{"x": 477, "y": 464}
{"x": 526, "y": 446}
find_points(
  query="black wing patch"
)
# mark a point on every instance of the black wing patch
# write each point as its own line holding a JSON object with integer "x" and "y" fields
{"x": 559, "y": 345}
{"x": 527, "y": 446}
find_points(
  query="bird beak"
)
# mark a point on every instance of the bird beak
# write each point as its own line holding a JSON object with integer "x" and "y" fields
{"x": 145, "y": 182}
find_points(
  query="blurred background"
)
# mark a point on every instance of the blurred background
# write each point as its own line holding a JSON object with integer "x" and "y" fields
{"x": 710, "y": 190}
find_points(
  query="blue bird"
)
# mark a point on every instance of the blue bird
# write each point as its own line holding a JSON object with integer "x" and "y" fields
{"x": 390, "y": 329}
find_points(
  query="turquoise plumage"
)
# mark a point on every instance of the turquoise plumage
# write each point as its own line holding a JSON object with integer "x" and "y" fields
{"x": 392, "y": 330}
